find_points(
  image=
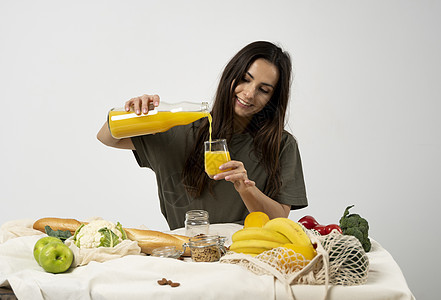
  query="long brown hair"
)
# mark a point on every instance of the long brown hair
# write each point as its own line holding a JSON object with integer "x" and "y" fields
{"x": 266, "y": 126}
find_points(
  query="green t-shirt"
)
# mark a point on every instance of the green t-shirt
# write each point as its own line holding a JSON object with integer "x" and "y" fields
{"x": 165, "y": 153}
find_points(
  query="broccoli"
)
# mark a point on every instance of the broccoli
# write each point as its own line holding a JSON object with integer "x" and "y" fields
{"x": 61, "y": 234}
{"x": 355, "y": 225}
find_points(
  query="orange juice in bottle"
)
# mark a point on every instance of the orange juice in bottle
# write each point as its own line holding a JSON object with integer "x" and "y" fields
{"x": 123, "y": 124}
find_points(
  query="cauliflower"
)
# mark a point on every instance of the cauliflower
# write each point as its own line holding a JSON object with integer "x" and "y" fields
{"x": 99, "y": 233}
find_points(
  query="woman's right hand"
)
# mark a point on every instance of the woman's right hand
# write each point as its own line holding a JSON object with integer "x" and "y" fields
{"x": 142, "y": 104}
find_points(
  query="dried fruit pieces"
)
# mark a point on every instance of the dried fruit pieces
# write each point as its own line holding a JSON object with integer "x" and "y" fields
{"x": 164, "y": 281}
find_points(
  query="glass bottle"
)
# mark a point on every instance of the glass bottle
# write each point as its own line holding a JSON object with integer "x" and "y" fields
{"x": 196, "y": 222}
{"x": 123, "y": 124}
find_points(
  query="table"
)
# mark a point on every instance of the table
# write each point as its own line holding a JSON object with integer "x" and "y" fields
{"x": 136, "y": 276}
{"x": 7, "y": 294}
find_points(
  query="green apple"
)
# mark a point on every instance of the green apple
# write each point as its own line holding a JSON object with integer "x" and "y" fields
{"x": 41, "y": 243}
{"x": 56, "y": 257}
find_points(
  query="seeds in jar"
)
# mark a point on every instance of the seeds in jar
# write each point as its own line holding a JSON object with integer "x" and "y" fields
{"x": 205, "y": 254}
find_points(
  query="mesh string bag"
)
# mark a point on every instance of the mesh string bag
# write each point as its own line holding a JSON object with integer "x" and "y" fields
{"x": 340, "y": 260}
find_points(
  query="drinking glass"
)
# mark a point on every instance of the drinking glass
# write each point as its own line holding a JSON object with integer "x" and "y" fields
{"x": 216, "y": 154}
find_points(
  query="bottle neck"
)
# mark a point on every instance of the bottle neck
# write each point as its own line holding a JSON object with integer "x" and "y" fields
{"x": 204, "y": 107}
{"x": 183, "y": 107}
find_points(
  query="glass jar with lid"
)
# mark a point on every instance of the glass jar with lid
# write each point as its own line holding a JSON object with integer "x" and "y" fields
{"x": 206, "y": 248}
{"x": 196, "y": 222}
{"x": 167, "y": 251}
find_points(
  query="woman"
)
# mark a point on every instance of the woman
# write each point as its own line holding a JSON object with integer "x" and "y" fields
{"x": 249, "y": 112}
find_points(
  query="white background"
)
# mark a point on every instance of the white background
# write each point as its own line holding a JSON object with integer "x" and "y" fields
{"x": 365, "y": 106}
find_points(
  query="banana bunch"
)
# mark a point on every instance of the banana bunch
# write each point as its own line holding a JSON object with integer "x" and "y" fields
{"x": 278, "y": 232}
{"x": 255, "y": 240}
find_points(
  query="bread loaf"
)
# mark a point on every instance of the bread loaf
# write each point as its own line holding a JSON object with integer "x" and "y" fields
{"x": 150, "y": 239}
{"x": 147, "y": 239}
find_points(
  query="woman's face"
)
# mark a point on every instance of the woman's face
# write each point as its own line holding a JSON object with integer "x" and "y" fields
{"x": 255, "y": 89}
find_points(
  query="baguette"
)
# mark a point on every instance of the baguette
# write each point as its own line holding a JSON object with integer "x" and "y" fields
{"x": 147, "y": 239}
{"x": 151, "y": 239}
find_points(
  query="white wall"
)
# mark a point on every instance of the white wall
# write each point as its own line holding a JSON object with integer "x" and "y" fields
{"x": 364, "y": 107}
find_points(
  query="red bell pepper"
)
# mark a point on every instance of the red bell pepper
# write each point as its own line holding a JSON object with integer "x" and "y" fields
{"x": 311, "y": 223}
{"x": 331, "y": 227}
{"x": 322, "y": 229}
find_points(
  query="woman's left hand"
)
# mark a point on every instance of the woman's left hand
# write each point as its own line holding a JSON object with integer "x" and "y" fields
{"x": 236, "y": 173}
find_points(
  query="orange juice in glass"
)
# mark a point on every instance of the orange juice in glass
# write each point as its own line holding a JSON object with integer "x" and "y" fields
{"x": 216, "y": 154}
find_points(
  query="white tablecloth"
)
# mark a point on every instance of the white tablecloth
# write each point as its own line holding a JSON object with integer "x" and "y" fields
{"x": 135, "y": 277}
